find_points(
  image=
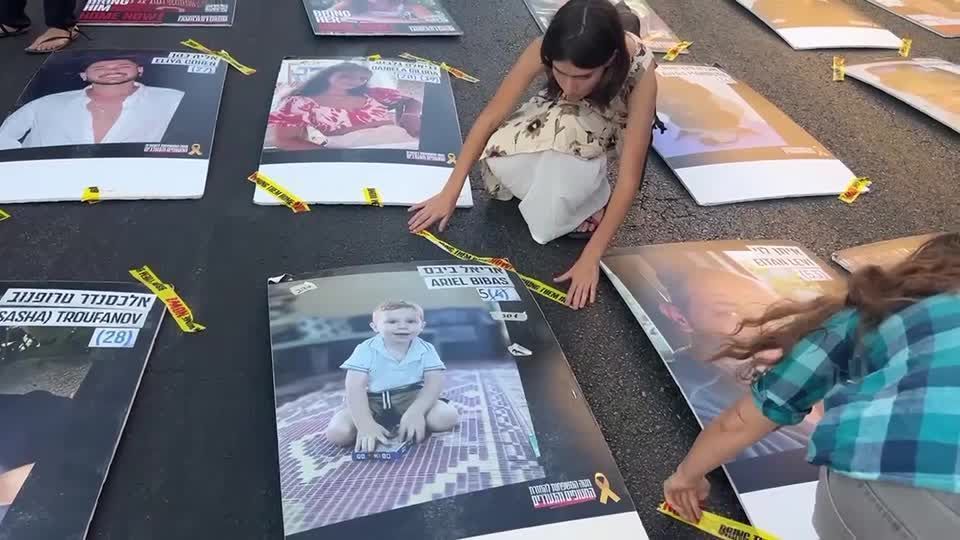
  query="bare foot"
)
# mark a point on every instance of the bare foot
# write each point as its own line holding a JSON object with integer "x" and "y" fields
{"x": 52, "y": 40}
{"x": 590, "y": 224}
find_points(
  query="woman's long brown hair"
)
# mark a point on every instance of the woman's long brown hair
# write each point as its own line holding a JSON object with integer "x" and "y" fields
{"x": 875, "y": 292}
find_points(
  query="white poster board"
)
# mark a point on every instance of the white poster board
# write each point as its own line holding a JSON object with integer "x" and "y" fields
{"x": 942, "y": 17}
{"x": 728, "y": 144}
{"x": 339, "y": 126}
{"x": 687, "y": 297}
{"x": 931, "y": 85}
{"x": 821, "y": 24}
{"x": 68, "y": 132}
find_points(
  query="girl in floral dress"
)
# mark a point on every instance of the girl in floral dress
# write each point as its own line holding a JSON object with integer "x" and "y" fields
{"x": 552, "y": 153}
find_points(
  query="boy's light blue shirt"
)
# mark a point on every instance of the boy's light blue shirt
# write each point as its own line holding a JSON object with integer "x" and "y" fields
{"x": 384, "y": 372}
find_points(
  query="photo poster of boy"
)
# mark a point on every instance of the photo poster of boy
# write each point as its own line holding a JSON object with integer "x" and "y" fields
{"x": 821, "y": 24}
{"x": 931, "y": 85}
{"x": 690, "y": 299}
{"x": 158, "y": 13}
{"x": 340, "y": 126}
{"x": 727, "y": 143}
{"x": 71, "y": 358}
{"x": 884, "y": 253}
{"x": 456, "y": 362}
{"x": 942, "y": 17}
{"x": 380, "y": 18}
{"x": 135, "y": 124}
{"x": 637, "y": 15}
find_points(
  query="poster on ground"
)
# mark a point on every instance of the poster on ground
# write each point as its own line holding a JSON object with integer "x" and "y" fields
{"x": 647, "y": 25}
{"x": 941, "y": 17}
{"x": 510, "y": 448}
{"x": 380, "y": 18}
{"x": 689, "y": 298}
{"x": 821, "y": 24}
{"x": 158, "y": 13}
{"x": 134, "y": 124}
{"x": 71, "y": 358}
{"x": 728, "y": 144}
{"x": 340, "y": 126}
{"x": 931, "y": 85}
{"x": 885, "y": 253}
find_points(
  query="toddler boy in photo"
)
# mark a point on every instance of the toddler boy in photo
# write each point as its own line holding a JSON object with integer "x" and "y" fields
{"x": 394, "y": 379}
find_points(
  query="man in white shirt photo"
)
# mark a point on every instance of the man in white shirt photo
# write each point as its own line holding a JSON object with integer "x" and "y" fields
{"x": 113, "y": 108}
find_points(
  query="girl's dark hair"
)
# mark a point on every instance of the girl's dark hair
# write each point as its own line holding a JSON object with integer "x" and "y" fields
{"x": 319, "y": 83}
{"x": 874, "y": 292}
{"x": 588, "y": 34}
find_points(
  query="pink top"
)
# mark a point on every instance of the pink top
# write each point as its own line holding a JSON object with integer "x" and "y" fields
{"x": 298, "y": 111}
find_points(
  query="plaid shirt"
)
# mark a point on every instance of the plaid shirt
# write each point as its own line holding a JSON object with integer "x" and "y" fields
{"x": 891, "y": 400}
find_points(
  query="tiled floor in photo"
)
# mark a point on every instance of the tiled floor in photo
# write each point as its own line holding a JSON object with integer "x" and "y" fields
{"x": 490, "y": 447}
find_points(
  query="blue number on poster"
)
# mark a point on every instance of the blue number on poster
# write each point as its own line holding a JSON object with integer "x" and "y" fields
{"x": 114, "y": 338}
{"x": 498, "y": 294}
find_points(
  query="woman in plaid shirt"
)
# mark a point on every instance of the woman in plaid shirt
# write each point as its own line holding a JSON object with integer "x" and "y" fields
{"x": 885, "y": 360}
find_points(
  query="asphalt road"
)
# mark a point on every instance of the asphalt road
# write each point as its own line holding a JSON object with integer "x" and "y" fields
{"x": 198, "y": 457}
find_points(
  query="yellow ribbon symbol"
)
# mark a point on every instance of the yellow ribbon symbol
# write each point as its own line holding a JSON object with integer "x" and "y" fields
{"x": 4, "y": 215}
{"x": 451, "y": 159}
{"x": 195, "y": 150}
{"x": 605, "y": 491}
{"x": 839, "y": 68}
{"x": 905, "y": 47}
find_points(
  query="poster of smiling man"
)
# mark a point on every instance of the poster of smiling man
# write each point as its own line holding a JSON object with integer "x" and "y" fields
{"x": 71, "y": 358}
{"x": 690, "y": 298}
{"x": 380, "y": 18}
{"x": 821, "y": 24}
{"x": 340, "y": 126}
{"x": 158, "y": 12}
{"x": 727, "y": 143}
{"x": 410, "y": 391}
{"x": 133, "y": 124}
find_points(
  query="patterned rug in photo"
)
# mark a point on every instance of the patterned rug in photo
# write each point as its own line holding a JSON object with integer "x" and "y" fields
{"x": 492, "y": 446}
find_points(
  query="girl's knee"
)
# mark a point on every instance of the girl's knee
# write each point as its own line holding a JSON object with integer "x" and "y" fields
{"x": 340, "y": 433}
{"x": 443, "y": 417}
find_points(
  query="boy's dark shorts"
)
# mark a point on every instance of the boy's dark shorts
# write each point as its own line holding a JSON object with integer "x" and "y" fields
{"x": 388, "y": 407}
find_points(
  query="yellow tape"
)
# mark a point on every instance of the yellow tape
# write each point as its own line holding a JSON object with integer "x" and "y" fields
{"x": 720, "y": 526}
{"x": 288, "y": 199}
{"x": 673, "y": 52}
{"x": 905, "y": 47}
{"x": 857, "y": 187}
{"x": 165, "y": 292}
{"x": 536, "y": 286}
{"x": 374, "y": 57}
{"x": 222, "y": 54}
{"x": 4, "y": 216}
{"x": 372, "y": 196}
{"x": 90, "y": 195}
{"x": 839, "y": 68}
{"x": 454, "y": 72}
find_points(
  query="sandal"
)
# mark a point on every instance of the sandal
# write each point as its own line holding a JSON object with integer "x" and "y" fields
{"x": 17, "y": 30}
{"x": 75, "y": 34}
{"x": 585, "y": 235}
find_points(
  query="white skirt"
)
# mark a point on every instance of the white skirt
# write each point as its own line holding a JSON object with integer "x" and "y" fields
{"x": 558, "y": 191}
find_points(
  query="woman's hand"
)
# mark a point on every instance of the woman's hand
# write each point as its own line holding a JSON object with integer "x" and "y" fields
{"x": 685, "y": 495}
{"x": 583, "y": 277}
{"x": 440, "y": 208}
{"x": 411, "y": 123}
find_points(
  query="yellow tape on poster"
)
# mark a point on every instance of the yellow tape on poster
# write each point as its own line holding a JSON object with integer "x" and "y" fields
{"x": 165, "y": 292}
{"x": 288, "y": 199}
{"x": 4, "y": 216}
{"x": 857, "y": 187}
{"x": 90, "y": 195}
{"x": 454, "y": 72}
{"x": 720, "y": 526}
{"x": 536, "y": 286}
{"x": 372, "y": 196}
{"x": 675, "y": 51}
{"x": 905, "y": 47}
{"x": 222, "y": 54}
{"x": 839, "y": 68}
